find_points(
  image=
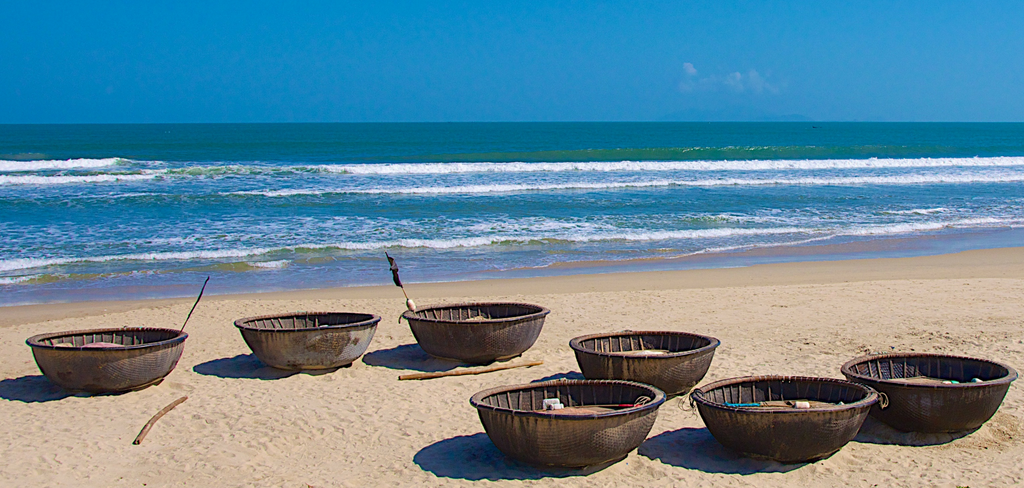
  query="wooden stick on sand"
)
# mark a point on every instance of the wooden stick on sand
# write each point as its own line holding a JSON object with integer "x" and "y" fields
{"x": 149, "y": 425}
{"x": 488, "y": 369}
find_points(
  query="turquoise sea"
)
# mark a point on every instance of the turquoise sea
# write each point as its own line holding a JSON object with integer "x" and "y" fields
{"x": 135, "y": 211}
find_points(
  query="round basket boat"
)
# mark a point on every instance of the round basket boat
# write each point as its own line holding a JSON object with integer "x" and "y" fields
{"x": 308, "y": 340}
{"x": 671, "y": 361}
{"x": 601, "y": 420}
{"x": 789, "y": 419}
{"x": 477, "y": 333}
{"x": 933, "y": 392}
{"x": 107, "y": 360}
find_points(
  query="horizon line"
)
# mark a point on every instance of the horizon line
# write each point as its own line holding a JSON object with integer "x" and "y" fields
{"x": 536, "y": 122}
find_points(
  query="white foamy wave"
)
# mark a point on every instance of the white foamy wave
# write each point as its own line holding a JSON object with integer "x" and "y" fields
{"x": 579, "y": 237}
{"x": 917, "y": 211}
{"x": 478, "y": 241}
{"x": 287, "y": 193}
{"x": 510, "y": 188}
{"x": 269, "y": 264}
{"x": 868, "y": 230}
{"x": 398, "y": 169}
{"x": 534, "y": 225}
{"x": 420, "y": 243}
{"x": 30, "y": 263}
{"x": 646, "y": 166}
{"x": 571, "y": 234}
{"x": 120, "y": 196}
{"x": 10, "y": 280}
{"x": 914, "y": 179}
{"x": 474, "y": 241}
{"x": 642, "y": 167}
{"x": 466, "y": 189}
{"x": 913, "y": 227}
{"x": 388, "y": 169}
{"x": 70, "y": 180}
{"x": 809, "y": 181}
{"x": 664, "y": 235}
{"x": 58, "y": 164}
{"x": 759, "y": 245}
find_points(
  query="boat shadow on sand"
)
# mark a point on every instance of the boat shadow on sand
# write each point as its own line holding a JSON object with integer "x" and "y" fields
{"x": 32, "y": 389}
{"x": 696, "y": 448}
{"x": 409, "y": 357}
{"x": 569, "y": 375}
{"x": 248, "y": 366}
{"x": 474, "y": 458}
{"x": 876, "y": 432}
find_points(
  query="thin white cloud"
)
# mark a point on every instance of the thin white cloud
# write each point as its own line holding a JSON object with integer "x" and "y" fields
{"x": 749, "y": 82}
{"x": 757, "y": 83}
{"x": 734, "y": 81}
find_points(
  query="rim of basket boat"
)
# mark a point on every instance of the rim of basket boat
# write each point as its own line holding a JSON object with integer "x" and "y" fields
{"x": 241, "y": 323}
{"x": 576, "y": 346}
{"x": 34, "y": 341}
{"x": 477, "y": 399}
{"x": 871, "y": 398}
{"x": 847, "y": 369}
{"x": 540, "y": 313}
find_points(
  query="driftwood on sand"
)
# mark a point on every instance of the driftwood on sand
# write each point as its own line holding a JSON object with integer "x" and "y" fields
{"x": 161, "y": 413}
{"x": 488, "y": 369}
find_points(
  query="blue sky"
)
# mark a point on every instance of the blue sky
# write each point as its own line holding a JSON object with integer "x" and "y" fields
{"x": 510, "y": 61}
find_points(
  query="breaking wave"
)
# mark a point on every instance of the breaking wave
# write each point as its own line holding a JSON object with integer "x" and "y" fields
{"x": 59, "y": 164}
{"x": 512, "y": 239}
{"x": 916, "y": 179}
{"x": 645, "y": 166}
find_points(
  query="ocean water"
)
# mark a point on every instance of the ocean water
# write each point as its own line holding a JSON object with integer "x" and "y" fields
{"x": 133, "y": 211}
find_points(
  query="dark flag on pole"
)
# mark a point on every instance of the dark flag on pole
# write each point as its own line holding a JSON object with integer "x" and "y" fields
{"x": 398, "y": 282}
{"x": 394, "y": 271}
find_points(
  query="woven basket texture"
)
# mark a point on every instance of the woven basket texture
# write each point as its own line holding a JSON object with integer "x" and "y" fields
{"x": 933, "y": 406}
{"x": 145, "y": 356}
{"x": 784, "y": 434}
{"x": 515, "y": 422}
{"x": 683, "y": 364}
{"x": 477, "y": 333}
{"x": 309, "y": 340}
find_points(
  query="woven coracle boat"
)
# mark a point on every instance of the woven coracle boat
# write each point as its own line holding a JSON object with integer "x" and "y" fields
{"x": 671, "y": 361}
{"x": 790, "y": 419}
{"x": 107, "y": 360}
{"x": 598, "y": 421}
{"x": 308, "y": 340}
{"x": 477, "y": 333}
{"x": 933, "y": 392}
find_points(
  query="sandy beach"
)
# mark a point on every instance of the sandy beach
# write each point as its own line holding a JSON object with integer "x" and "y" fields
{"x": 245, "y": 424}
